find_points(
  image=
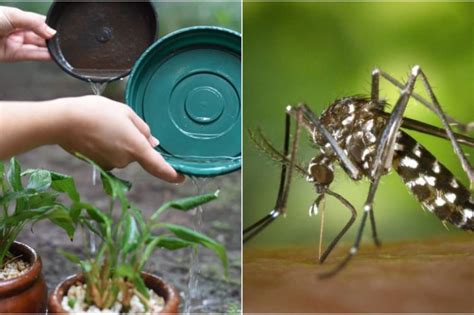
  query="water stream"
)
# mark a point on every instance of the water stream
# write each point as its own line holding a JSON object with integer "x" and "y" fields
{"x": 193, "y": 302}
{"x": 97, "y": 88}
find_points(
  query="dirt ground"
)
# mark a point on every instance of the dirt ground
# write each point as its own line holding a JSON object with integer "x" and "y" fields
{"x": 434, "y": 276}
{"x": 221, "y": 219}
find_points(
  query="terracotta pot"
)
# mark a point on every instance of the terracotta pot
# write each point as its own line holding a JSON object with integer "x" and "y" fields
{"x": 163, "y": 289}
{"x": 27, "y": 293}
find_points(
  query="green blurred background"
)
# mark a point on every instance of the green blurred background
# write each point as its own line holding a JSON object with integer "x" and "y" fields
{"x": 317, "y": 52}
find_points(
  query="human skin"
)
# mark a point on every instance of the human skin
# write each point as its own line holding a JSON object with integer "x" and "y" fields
{"x": 22, "y": 35}
{"x": 108, "y": 132}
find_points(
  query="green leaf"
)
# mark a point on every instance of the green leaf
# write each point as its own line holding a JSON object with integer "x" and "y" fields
{"x": 186, "y": 204}
{"x": 148, "y": 251}
{"x": 125, "y": 271}
{"x": 75, "y": 211}
{"x": 112, "y": 185}
{"x": 130, "y": 234}
{"x": 192, "y": 236}
{"x": 173, "y": 243}
{"x": 71, "y": 302}
{"x": 10, "y": 196}
{"x": 60, "y": 216}
{"x": 86, "y": 266}
{"x": 140, "y": 285}
{"x": 104, "y": 222}
{"x": 39, "y": 180}
{"x": 14, "y": 175}
{"x": 71, "y": 257}
{"x": 139, "y": 218}
{"x": 40, "y": 199}
{"x": 167, "y": 242}
{"x": 97, "y": 215}
{"x": 66, "y": 184}
{"x": 31, "y": 214}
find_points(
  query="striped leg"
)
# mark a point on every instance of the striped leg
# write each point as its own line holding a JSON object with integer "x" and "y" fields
{"x": 383, "y": 160}
{"x": 375, "y": 98}
{"x": 445, "y": 119}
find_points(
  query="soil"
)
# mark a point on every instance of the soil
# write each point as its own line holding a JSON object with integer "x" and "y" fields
{"x": 428, "y": 276}
{"x": 221, "y": 218}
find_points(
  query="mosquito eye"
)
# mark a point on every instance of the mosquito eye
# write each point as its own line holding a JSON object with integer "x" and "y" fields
{"x": 322, "y": 174}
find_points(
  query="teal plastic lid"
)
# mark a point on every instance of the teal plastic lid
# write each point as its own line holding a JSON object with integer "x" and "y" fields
{"x": 187, "y": 88}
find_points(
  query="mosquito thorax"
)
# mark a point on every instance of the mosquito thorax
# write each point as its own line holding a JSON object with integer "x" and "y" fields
{"x": 355, "y": 125}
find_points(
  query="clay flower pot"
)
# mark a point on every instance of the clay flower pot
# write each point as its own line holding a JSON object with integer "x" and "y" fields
{"x": 27, "y": 293}
{"x": 168, "y": 292}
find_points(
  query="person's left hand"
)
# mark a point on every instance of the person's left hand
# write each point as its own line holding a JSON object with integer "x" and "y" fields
{"x": 23, "y": 35}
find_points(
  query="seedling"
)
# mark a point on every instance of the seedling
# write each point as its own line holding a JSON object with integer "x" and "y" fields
{"x": 37, "y": 200}
{"x": 127, "y": 242}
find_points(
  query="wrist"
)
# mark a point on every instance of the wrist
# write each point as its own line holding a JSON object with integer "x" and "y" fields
{"x": 58, "y": 120}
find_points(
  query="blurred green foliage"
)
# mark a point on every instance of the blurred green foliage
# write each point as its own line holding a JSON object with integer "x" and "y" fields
{"x": 317, "y": 52}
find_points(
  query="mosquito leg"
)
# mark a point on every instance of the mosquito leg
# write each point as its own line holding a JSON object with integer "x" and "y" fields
{"x": 355, "y": 173}
{"x": 285, "y": 179}
{"x": 334, "y": 242}
{"x": 258, "y": 226}
{"x": 383, "y": 160}
{"x": 315, "y": 123}
{"x": 375, "y": 235}
{"x": 445, "y": 119}
{"x": 419, "y": 126}
{"x": 356, "y": 245}
{"x": 385, "y": 148}
{"x": 375, "y": 98}
{"x": 461, "y": 126}
{"x": 374, "y": 94}
{"x": 442, "y": 116}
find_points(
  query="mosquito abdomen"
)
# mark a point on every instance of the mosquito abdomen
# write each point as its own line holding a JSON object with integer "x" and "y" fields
{"x": 432, "y": 183}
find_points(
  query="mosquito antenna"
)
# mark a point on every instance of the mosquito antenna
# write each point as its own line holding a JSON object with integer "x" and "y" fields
{"x": 263, "y": 144}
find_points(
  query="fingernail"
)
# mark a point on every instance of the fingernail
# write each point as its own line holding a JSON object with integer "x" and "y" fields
{"x": 51, "y": 31}
{"x": 154, "y": 142}
{"x": 182, "y": 180}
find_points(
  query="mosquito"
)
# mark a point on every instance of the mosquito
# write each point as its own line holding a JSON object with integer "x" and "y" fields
{"x": 366, "y": 141}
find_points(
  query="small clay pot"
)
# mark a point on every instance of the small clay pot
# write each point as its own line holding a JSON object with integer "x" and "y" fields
{"x": 27, "y": 293}
{"x": 163, "y": 289}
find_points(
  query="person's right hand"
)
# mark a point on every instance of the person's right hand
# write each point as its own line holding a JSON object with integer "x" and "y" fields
{"x": 111, "y": 134}
{"x": 23, "y": 35}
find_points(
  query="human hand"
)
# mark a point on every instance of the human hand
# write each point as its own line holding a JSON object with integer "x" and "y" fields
{"x": 23, "y": 35}
{"x": 111, "y": 134}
